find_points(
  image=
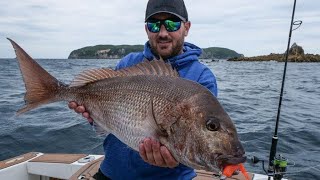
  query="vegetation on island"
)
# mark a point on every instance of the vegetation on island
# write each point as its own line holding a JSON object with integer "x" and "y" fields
{"x": 119, "y": 51}
{"x": 104, "y": 51}
{"x": 219, "y": 53}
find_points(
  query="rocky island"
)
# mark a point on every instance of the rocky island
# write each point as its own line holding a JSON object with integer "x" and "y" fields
{"x": 119, "y": 51}
{"x": 296, "y": 54}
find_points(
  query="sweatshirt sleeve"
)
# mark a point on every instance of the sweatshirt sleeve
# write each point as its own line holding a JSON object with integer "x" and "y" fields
{"x": 208, "y": 79}
{"x": 130, "y": 60}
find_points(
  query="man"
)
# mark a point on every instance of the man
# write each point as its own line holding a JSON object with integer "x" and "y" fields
{"x": 167, "y": 26}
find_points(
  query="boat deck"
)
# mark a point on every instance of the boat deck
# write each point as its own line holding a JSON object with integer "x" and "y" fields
{"x": 33, "y": 165}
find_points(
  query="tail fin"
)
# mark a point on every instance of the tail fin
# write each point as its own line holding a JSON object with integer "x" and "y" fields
{"x": 41, "y": 87}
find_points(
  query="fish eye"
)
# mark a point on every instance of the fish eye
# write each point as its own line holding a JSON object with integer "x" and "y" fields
{"x": 212, "y": 126}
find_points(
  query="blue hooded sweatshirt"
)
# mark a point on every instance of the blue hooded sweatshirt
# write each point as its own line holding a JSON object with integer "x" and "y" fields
{"x": 121, "y": 162}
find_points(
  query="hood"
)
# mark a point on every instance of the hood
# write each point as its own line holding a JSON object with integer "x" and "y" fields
{"x": 190, "y": 53}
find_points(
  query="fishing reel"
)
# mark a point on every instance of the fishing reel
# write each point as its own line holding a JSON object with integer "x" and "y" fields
{"x": 278, "y": 168}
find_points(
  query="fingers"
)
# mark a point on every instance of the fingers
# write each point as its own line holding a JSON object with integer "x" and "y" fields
{"x": 148, "y": 147}
{"x": 156, "y": 154}
{"x": 142, "y": 152}
{"x": 72, "y": 105}
{"x": 153, "y": 153}
{"x": 77, "y": 108}
{"x": 168, "y": 158}
{"x": 80, "y": 109}
{"x": 86, "y": 115}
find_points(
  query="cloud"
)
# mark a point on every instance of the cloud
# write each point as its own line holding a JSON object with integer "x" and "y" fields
{"x": 53, "y": 28}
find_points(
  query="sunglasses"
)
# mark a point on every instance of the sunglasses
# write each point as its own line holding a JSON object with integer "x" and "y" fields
{"x": 170, "y": 25}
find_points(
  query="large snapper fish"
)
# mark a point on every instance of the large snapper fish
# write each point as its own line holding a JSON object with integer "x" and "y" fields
{"x": 145, "y": 100}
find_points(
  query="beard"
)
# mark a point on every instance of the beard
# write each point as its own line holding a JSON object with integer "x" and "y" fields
{"x": 174, "y": 49}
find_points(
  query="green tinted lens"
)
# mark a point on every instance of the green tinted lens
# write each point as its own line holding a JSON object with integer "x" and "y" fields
{"x": 153, "y": 26}
{"x": 172, "y": 25}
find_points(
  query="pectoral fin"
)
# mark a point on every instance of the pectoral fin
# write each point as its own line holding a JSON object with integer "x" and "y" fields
{"x": 152, "y": 121}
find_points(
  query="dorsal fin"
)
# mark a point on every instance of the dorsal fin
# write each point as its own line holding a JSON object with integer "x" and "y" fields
{"x": 154, "y": 67}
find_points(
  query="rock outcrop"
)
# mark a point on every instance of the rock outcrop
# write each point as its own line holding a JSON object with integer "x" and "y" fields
{"x": 296, "y": 50}
{"x": 296, "y": 54}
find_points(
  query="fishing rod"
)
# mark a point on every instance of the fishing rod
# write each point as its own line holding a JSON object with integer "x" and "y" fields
{"x": 278, "y": 164}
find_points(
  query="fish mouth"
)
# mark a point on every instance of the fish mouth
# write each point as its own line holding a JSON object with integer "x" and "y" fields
{"x": 224, "y": 160}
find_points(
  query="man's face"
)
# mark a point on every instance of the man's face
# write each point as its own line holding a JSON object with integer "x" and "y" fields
{"x": 167, "y": 44}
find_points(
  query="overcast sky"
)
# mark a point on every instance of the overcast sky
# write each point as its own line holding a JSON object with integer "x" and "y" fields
{"x": 53, "y": 28}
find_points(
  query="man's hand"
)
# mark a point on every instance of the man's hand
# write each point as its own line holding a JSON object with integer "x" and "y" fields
{"x": 80, "y": 109}
{"x": 153, "y": 153}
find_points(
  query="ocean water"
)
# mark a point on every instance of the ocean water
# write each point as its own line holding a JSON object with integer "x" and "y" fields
{"x": 249, "y": 91}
